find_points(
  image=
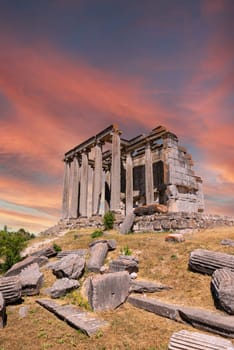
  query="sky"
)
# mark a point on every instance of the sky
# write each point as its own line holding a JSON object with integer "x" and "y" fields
{"x": 70, "y": 68}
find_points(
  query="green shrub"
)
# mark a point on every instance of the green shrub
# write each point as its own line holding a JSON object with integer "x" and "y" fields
{"x": 108, "y": 220}
{"x": 97, "y": 233}
{"x": 11, "y": 245}
{"x": 57, "y": 248}
{"x": 125, "y": 250}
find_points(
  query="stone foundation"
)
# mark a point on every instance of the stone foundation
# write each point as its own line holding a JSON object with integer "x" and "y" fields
{"x": 170, "y": 222}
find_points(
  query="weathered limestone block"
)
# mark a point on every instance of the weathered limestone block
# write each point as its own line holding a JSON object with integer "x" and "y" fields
{"x": 111, "y": 243}
{"x": 207, "y": 261}
{"x": 124, "y": 263}
{"x": 11, "y": 289}
{"x": 175, "y": 237}
{"x": 198, "y": 318}
{"x": 222, "y": 288}
{"x": 3, "y": 315}
{"x": 192, "y": 340}
{"x": 31, "y": 280}
{"x": 107, "y": 292}
{"x": 127, "y": 224}
{"x": 71, "y": 266}
{"x": 80, "y": 252}
{"x": 18, "y": 267}
{"x": 150, "y": 209}
{"x": 141, "y": 286}
{"x": 208, "y": 321}
{"x": 48, "y": 252}
{"x": 62, "y": 286}
{"x": 98, "y": 253}
{"x": 229, "y": 242}
{"x": 75, "y": 317}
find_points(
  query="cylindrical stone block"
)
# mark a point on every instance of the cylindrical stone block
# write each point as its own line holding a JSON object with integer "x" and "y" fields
{"x": 149, "y": 188}
{"x": 66, "y": 188}
{"x": 74, "y": 188}
{"x": 98, "y": 253}
{"x": 129, "y": 184}
{"x": 115, "y": 172}
{"x": 207, "y": 261}
{"x": 222, "y": 288}
{"x": 11, "y": 288}
{"x": 197, "y": 341}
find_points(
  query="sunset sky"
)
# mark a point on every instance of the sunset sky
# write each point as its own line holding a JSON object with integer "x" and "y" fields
{"x": 69, "y": 68}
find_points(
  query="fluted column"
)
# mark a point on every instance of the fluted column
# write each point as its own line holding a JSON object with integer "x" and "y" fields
{"x": 75, "y": 178}
{"x": 97, "y": 179}
{"x": 129, "y": 184}
{"x": 149, "y": 188}
{"x": 66, "y": 186}
{"x": 115, "y": 171}
{"x": 84, "y": 184}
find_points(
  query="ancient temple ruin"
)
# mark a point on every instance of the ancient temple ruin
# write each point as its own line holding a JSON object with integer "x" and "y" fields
{"x": 108, "y": 172}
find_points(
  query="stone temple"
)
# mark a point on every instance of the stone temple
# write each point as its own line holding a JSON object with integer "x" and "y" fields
{"x": 108, "y": 172}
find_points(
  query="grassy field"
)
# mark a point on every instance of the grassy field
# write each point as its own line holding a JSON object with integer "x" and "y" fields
{"x": 130, "y": 328}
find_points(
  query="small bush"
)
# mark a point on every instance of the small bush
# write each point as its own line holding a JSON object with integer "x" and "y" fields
{"x": 108, "y": 220}
{"x": 57, "y": 248}
{"x": 97, "y": 233}
{"x": 126, "y": 251}
{"x": 11, "y": 245}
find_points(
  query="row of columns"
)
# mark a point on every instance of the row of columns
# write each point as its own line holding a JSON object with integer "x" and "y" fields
{"x": 77, "y": 179}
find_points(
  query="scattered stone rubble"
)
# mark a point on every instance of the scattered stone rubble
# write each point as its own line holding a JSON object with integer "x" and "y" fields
{"x": 98, "y": 253}
{"x": 108, "y": 291}
{"x": 124, "y": 263}
{"x": 80, "y": 252}
{"x": 70, "y": 266}
{"x": 222, "y": 287}
{"x": 192, "y": 340}
{"x": 74, "y": 316}
{"x": 49, "y": 252}
{"x": 18, "y": 267}
{"x": 207, "y": 261}
{"x": 31, "y": 279}
{"x": 228, "y": 242}
{"x": 11, "y": 289}
{"x": 175, "y": 237}
{"x": 198, "y": 318}
{"x": 142, "y": 286}
{"x": 61, "y": 287}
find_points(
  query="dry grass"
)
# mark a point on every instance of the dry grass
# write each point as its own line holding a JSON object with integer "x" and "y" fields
{"x": 130, "y": 328}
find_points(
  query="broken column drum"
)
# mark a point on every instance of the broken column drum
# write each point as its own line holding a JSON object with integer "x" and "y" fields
{"x": 147, "y": 169}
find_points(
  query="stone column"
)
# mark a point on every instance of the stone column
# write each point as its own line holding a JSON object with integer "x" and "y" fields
{"x": 149, "y": 187}
{"x": 97, "y": 179}
{"x": 115, "y": 172}
{"x": 75, "y": 178}
{"x": 66, "y": 185}
{"x": 107, "y": 182}
{"x": 129, "y": 184}
{"x": 84, "y": 184}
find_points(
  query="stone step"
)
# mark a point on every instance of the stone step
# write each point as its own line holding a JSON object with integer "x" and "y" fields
{"x": 198, "y": 318}
{"x": 75, "y": 317}
{"x": 207, "y": 261}
{"x": 185, "y": 340}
